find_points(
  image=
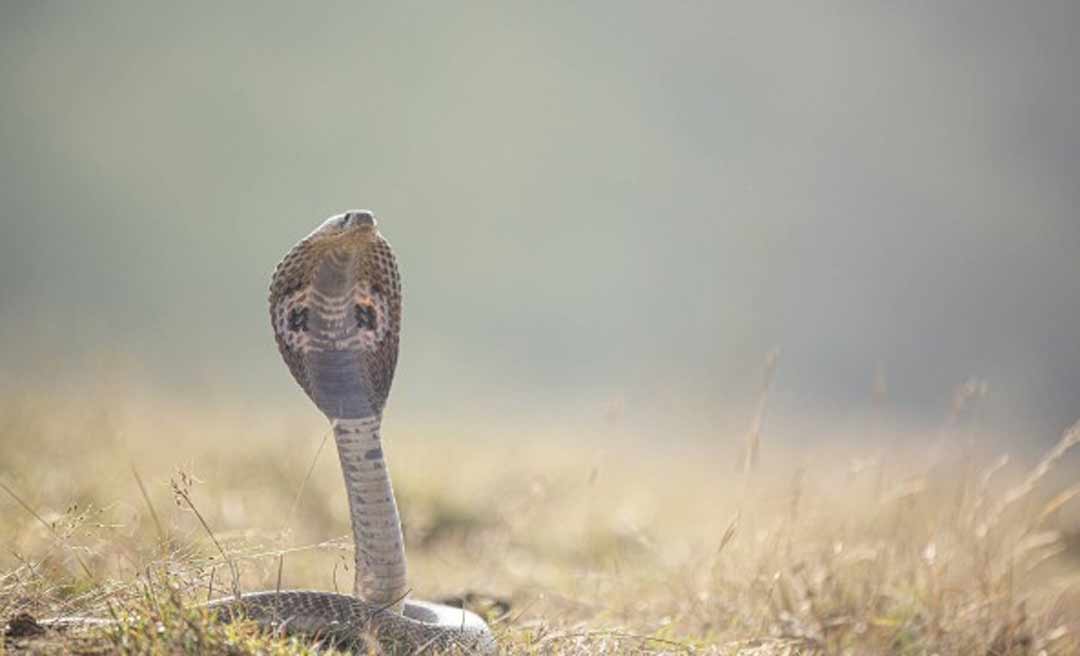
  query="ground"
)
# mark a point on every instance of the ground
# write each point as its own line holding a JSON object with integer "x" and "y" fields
{"x": 123, "y": 505}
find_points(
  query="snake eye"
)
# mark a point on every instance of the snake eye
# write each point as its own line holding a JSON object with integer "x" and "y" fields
{"x": 365, "y": 317}
{"x": 298, "y": 319}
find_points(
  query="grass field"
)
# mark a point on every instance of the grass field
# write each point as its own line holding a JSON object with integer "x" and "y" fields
{"x": 571, "y": 544}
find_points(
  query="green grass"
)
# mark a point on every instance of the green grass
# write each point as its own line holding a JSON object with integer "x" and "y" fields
{"x": 606, "y": 547}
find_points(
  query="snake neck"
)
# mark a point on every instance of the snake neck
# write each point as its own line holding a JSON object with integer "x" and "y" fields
{"x": 376, "y": 525}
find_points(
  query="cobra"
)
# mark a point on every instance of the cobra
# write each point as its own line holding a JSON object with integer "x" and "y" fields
{"x": 335, "y": 308}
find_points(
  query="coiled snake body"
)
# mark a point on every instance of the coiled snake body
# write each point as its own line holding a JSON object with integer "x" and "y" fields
{"x": 335, "y": 307}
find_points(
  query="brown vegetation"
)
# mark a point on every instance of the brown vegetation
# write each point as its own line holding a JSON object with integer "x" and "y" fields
{"x": 139, "y": 510}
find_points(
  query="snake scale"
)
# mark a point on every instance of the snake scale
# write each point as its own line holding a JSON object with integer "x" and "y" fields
{"x": 335, "y": 307}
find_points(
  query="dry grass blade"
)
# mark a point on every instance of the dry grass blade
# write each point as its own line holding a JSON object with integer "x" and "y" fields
{"x": 51, "y": 529}
{"x": 1070, "y": 439}
{"x": 182, "y": 494}
{"x": 1056, "y": 504}
{"x": 307, "y": 477}
{"x": 163, "y": 538}
{"x": 982, "y": 487}
{"x": 729, "y": 533}
{"x": 751, "y": 450}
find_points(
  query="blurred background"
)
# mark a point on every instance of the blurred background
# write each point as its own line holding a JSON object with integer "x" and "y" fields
{"x": 604, "y": 214}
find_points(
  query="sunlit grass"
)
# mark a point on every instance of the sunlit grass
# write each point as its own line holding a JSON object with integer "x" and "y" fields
{"x": 606, "y": 547}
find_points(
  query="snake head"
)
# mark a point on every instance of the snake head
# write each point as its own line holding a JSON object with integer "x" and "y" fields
{"x": 335, "y": 307}
{"x": 345, "y": 223}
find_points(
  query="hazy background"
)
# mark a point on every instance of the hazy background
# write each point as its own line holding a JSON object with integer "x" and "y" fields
{"x": 593, "y": 205}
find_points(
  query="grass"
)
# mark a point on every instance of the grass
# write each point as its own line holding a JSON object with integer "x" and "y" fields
{"x": 140, "y": 510}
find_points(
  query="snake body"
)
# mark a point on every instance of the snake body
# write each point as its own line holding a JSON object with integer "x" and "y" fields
{"x": 335, "y": 308}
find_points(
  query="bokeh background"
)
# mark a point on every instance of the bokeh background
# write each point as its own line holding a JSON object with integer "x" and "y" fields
{"x": 611, "y": 209}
